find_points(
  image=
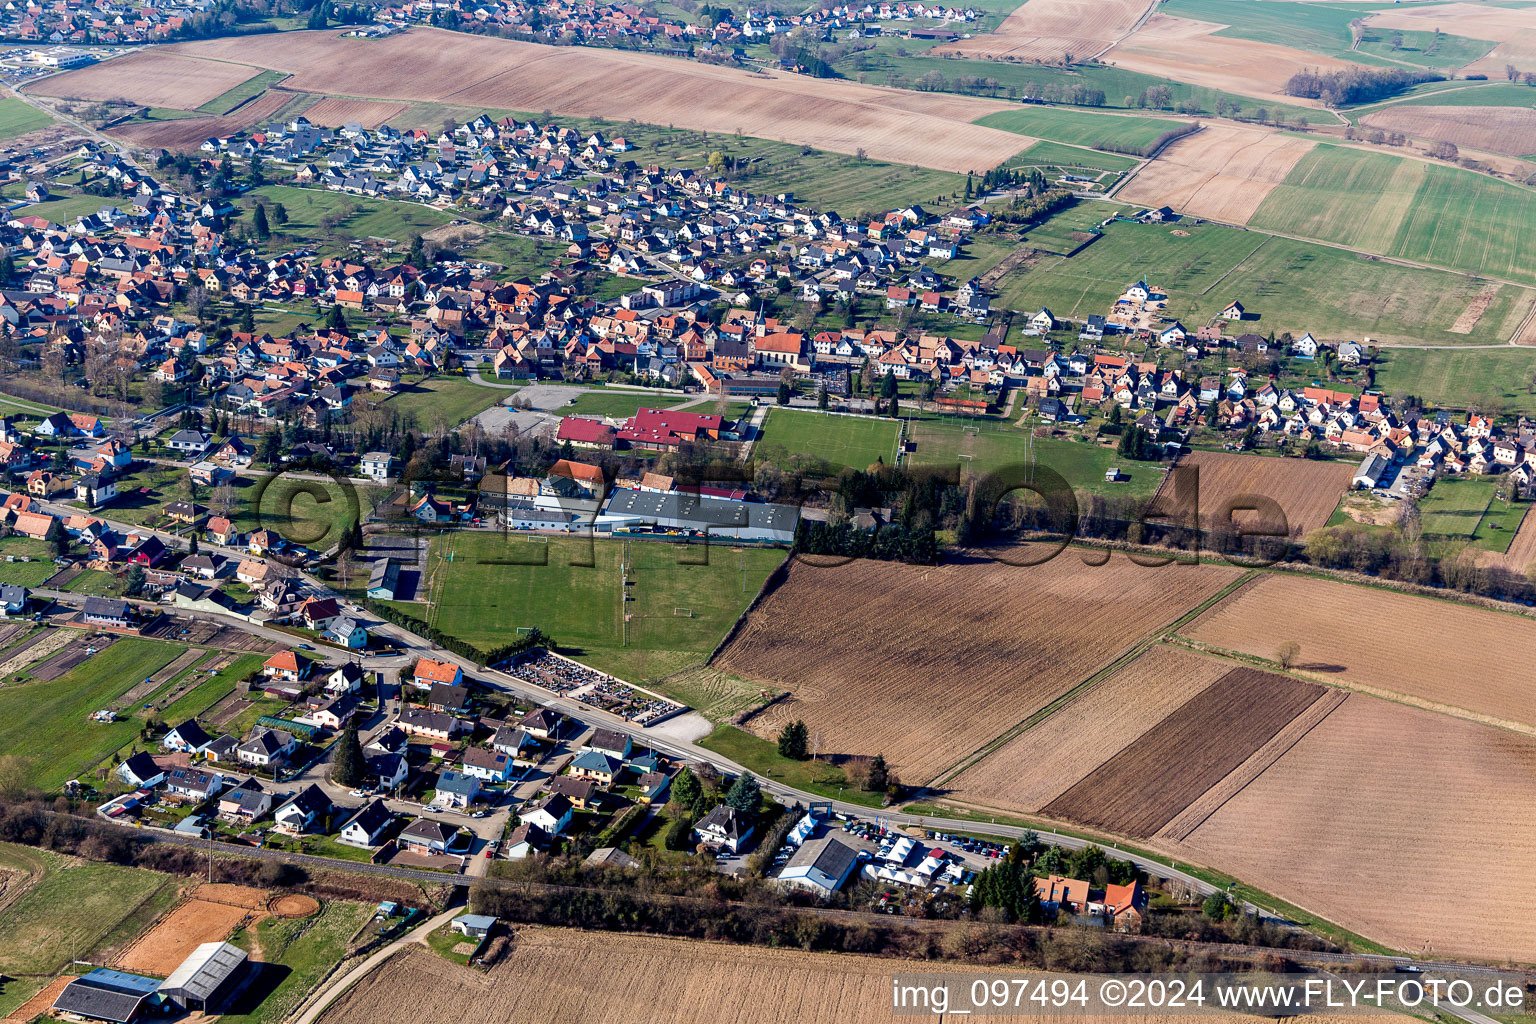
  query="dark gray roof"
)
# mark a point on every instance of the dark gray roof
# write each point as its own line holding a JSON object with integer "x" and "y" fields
{"x": 698, "y": 512}
{"x": 102, "y": 997}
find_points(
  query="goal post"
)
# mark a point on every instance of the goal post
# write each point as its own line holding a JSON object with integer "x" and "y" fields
{"x": 683, "y": 613}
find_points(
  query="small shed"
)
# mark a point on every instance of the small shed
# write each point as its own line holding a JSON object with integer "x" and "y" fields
{"x": 475, "y": 926}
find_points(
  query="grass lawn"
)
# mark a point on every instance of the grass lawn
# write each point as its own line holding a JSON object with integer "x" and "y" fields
{"x": 311, "y": 513}
{"x": 839, "y": 441}
{"x": 261, "y": 707}
{"x": 1068, "y": 228}
{"x": 144, "y": 493}
{"x": 1444, "y": 216}
{"x": 624, "y": 404}
{"x": 1490, "y": 379}
{"x": 67, "y": 209}
{"x": 442, "y": 401}
{"x": 360, "y": 216}
{"x": 485, "y": 586}
{"x": 445, "y": 939}
{"x": 18, "y": 118}
{"x": 983, "y": 446}
{"x": 1117, "y": 132}
{"x": 1290, "y": 285}
{"x": 46, "y": 724}
{"x": 763, "y": 759}
{"x": 308, "y": 947}
{"x": 27, "y": 574}
{"x": 1499, "y": 523}
{"x": 1454, "y": 507}
{"x": 73, "y": 909}
{"x": 96, "y": 582}
{"x": 232, "y": 98}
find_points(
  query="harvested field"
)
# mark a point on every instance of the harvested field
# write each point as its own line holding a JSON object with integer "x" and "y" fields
{"x": 76, "y": 653}
{"x": 1507, "y": 130}
{"x": 686, "y": 981}
{"x": 1222, "y": 172}
{"x": 294, "y": 905}
{"x": 1468, "y": 318}
{"x": 38, "y": 1005}
{"x": 926, "y": 664}
{"x": 1306, "y": 490}
{"x": 1187, "y": 50}
{"x": 1035, "y": 767}
{"x": 333, "y": 113}
{"x": 1385, "y": 642}
{"x": 191, "y": 923}
{"x": 189, "y": 132}
{"x": 904, "y": 126}
{"x": 1043, "y": 30}
{"x": 152, "y": 77}
{"x": 1379, "y": 794}
{"x": 1147, "y": 784}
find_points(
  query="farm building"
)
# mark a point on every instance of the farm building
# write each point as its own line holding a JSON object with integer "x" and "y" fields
{"x": 1372, "y": 469}
{"x": 629, "y": 509}
{"x": 213, "y": 971}
{"x": 105, "y": 994}
{"x": 476, "y": 926}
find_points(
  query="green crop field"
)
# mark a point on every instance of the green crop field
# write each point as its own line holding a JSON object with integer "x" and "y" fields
{"x": 72, "y": 909}
{"x": 1459, "y": 94}
{"x": 444, "y": 401}
{"x": 1056, "y": 154}
{"x": 1408, "y": 209}
{"x": 232, "y": 98}
{"x": 1120, "y": 86}
{"x": 1057, "y": 233}
{"x": 18, "y": 117}
{"x": 1453, "y": 507}
{"x": 1119, "y": 132}
{"x": 839, "y": 441}
{"x": 1292, "y": 286}
{"x": 1487, "y": 379}
{"x": 623, "y": 404}
{"x": 1324, "y": 29}
{"x": 494, "y": 584}
{"x": 46, "y": 723}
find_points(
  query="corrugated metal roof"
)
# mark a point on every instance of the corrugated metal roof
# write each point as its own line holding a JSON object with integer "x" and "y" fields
{"x": 204, "y": 971}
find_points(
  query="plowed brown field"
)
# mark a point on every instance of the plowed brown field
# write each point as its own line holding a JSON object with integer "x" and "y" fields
{"x": 189, "y": 132}
{"x": 1508, "y": 130}
{"x": 1306, "y": 490}
{"x": 1187, "y": 50}
{"x": 671, "y": 981}
{"x": 1040, "y": 763}
{"x": 1222, "y": 172}
{"x": 1044, "y": 30}
{"x": 153, "y": 77}
{"x": 928, "y": 129}
{"x": 1386, "y": 799}
{"x": 1143, "y": 787}
{"x": 1436, "y": 652}
{"x": 333, "y": 113}
{"x": 210, "y": 915}
{"x": 925, "y": 665}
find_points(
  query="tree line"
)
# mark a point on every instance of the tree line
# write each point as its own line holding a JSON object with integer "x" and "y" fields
{"x": 1356, "y": 85}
